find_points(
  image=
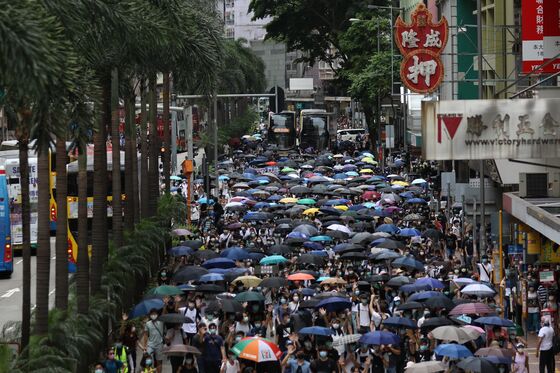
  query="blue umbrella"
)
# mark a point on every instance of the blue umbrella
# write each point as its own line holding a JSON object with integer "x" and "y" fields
{"x": 219, "y": 263}
{"x": 387, "y": 228}
{"x": 274, "y": 197}
{"x": 408, "y": 194}
{"x": 408, "y": 262}
{"x": 380, "y": 338}
{"x": 262, "y": 205}
{"x": 400, "y": 322}
{"x": 210, "y": 277}
{"x": 335, "y": 304}
{"x": 308, "y": 292}
{"x": 409, "y": 232}
{"x": 223, "y": 178}
{"x": 432, "y": 282}
{"x": 235, "y": 253}
{"x": 412, "y": 288}
{"x": 180, "y": 251}
{"x": 256, "y": 216}
{"x": 298, "y": 236}
{"x": 204, "y": 201}
{"x": 336, "y": 202}
{"x": 425, "y": 295}
{"x": 453, "y": 351}
{"x": 256, "y": 256}
{"x": 330, "y": 210}
{"x": 316, "y": 330}
{"x": 494, "y": 321}
{"x": 341, "y": 246}
{"x": 220, "y": 271}
{"x": 313, "y": 245}
{"x": 144, "y": 307}
{"x": 340, "y": 176}
{"x": 320, "y": 239}
{"x": 416, "y": 201}
{"x": 322, "y": 253}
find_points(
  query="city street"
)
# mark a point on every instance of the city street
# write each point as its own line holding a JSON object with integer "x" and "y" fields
{"x": 10, "y": 289}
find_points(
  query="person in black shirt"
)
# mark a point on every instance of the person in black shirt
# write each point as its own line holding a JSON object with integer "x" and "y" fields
{"x": 283, "y": 331}
{"x": 324, "y": 364}
{"x": 450, "y": 244}
{"x": 423, "y": 353}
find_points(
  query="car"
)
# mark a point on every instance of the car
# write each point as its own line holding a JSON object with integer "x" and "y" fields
{"x": 350, "y": 134}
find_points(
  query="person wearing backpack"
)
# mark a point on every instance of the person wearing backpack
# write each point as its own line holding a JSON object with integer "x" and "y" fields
{"x": 545, "y": 348}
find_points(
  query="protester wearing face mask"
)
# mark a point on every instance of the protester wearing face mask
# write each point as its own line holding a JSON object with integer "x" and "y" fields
{"x": 152, "y": 343}
{"x": 485, "y": 270}
{"x": 189, "y": 365}
{"x": 231, "y": 365}
{"x": 113, "y": 365}
{"x": 129, "y": 339}
{"x": 190, "y": 312}
{"x": 337, "y": 334}
{"x": 363, "y": 312}
{"x": 243, "y": 324}
{"x": 323, "y": 363}
{"x": 424, "y": 352}
{"x": 294, "y": 304}
{"x": 211, "y": 318}
{"x": 297, "y": 365}
{"x": 147, "y": 364}
{"x": 214, "y": 351}
{"x": 521, "y": 360}
{"x": 99, "y": 368}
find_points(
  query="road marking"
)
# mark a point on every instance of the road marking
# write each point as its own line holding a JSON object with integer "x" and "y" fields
{"x": 10, "y": 292}
{"x": 51, "y": 292}
{"x": 19, "y": 261}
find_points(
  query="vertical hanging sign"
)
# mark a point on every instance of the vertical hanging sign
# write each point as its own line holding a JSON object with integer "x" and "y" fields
{"x": 532, "y": 31}
{"x": 421, "y": 43}
{"x": 551, "y": 38}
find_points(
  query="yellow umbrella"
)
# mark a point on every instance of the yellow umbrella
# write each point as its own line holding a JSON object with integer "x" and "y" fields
{"x": 334, "y": 281}
{"x": 288, "y": 200}
{"x": 369, "y": 160}
{"x": 401, "y": 183}
{"x": 366, "y": 171}
{"x": 341, "y": 207}
{"x": 311, "y": 211}
{"x": 248, "y": 281}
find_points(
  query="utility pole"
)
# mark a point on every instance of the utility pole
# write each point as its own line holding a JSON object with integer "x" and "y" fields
{"x": 481, "y": 162}
{"x": 215, "y": 130}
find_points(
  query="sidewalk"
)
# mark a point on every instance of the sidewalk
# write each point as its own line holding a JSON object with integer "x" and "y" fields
{"x": 533, "y": 360}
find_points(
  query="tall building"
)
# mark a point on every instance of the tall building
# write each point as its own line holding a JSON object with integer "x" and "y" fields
{"x": 239, "y": 23}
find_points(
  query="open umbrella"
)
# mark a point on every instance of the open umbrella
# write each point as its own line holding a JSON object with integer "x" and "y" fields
{"x": 347, "y": 339}
{"x": 424, "y": 295}
{"x": 495, "y": 351}
{"x": 180, "y": 350}
{"x": 273, "y": 259}
{"x": 300, "y": 276}
{"x": 452, "y": 333}
{"x": 181, "y": 232}
{"x": 399, "y": 281}
{"x": 439, "y": 302}
{"x": 205, "y": 254}
{"x": 340, "y": 228}
{"x": 426, "y": 367}
{"x": 335, "y": 304}
{"x": 400, "y": 322}
{"x": 377, "y": 338}
{"x": 316, "y": 330}
{"x": 175, "y": 318}
{"x": 235, "y": 253}
{"x": 219, "y": 263}
{"x": 434, "y": 322}
{"x": 248, "y": 281}
{"x": 257, "y": 349}
{"x": 189, "y": 273}
{"x": 180, "y": 251}
{"x": 249, "y": 296}
{"x": 195, "y": 244}
{"x": 225, "y": 305}
{"x": 144, "y": 307}
{"x": 479, "y": 290}
{"x": 211, "y": 277}
{"x": 494, "y": 321}
{"x": 431, "y": 282}
{"x": 210, "y": 288}
{"x": 274, "y": 282}
{"x": 165, "y": 291}
{"x": 477, "y": 365}
{"x": 471, "y": 309}
{"x": 409, "y": 232}
{"x": 453, "y": 351}
{"x": 310, "y": 259}
{"x": 408, "y": 262}
{"x": 410, "y": 306}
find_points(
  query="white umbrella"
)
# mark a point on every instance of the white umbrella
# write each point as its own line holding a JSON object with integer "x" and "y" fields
{"x": 426, "y": 367}
{"x": 418, "y": 181}
{"x": 340, "y": 228}
{"x": 453, "y": 333}
{"x": 462, "y": 281}
{"x": 234, "y": 204}
{"x": 480, "y": 290}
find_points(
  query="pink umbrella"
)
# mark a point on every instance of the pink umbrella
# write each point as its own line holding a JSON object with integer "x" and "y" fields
{"x": 392, "y": 209}
{"x": 477, "y": 328}
{"x": 471, "y": 309}
{"x": 371, "y": 195}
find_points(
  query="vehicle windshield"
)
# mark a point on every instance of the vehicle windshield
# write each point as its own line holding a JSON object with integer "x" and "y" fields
{"x": 282, "y": 131}
{"x": 314, "y": 132}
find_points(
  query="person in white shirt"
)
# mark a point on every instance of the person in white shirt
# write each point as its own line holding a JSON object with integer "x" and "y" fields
{"x": 545, "y": 351}
{"x": 485, "y": 270}
{"x": 231, "y": 365}
{"x": 192, "y": 313}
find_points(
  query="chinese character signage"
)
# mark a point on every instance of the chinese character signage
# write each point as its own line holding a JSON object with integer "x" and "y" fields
{"x": 491, "y": 129}
{"x": 532, "y": 31}
{"x": 421, "y": 43}
{"x": 551, "y": 37}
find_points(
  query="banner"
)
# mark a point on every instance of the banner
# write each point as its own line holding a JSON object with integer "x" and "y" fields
{"x": 532, "y": 30}
{"x": 551, "y": 39}
{"x": 491, "y": 129}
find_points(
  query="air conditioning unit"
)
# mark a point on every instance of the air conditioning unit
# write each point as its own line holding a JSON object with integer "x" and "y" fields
{"x": 533, "y": 185}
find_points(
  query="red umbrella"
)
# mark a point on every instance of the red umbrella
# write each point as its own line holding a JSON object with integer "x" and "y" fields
{"x": 300, "y": 277}
{"x": 371, "y": 195}
{"x": 471, "y": 308}
{"x": 270, "y": 163}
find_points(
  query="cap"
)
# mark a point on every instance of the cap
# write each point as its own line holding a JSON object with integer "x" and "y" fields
{"x": 519, "y": 345}
{"x": 396, "y": 299}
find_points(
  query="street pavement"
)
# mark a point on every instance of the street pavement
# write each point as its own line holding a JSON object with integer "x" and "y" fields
{"x": 11, "y": 289}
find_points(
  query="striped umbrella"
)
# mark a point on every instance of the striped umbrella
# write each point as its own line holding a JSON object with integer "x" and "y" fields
{"x": 257, "y": 349}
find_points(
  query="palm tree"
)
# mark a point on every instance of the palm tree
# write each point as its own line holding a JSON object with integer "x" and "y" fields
{"x": 153, "y": 152}
{"x": 116, "y": 160}
{"x": 144, "y": 185}
{"x": 82, "y": 282}
{"x": 61, "y": 265}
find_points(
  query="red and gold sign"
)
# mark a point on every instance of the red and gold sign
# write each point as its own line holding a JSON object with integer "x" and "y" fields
{"x": 421, "y": 43}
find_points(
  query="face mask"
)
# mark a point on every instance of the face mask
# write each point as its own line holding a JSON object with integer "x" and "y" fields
{"x": 308, "y": 345}
{"x": 191, "y": 306}
{"x": 148, "y": 362}
{"x": 237, "y": 339}
{"x": 336, "y": 326}
{"x": 163, "y": 274}
{"x": 421, "y": 253}
{"x": 484, "y": 261}
{"x": 257, "y": 325}
{"x": 357, "y": 292}
{"x": 210, "y": 317}
{"x": 323, "y": 354}
{"x": 296, "y": 299}
{"x": 98, "y": 371}
{"x": 520, "y": 350}
{"x": 423, "y": 348}
{"x": 245, "y": 319}
{"x": 231, "y": 357}
{"x": 153, "y": 317}
{"x": 282, "y": 300}
{"x": 189, "y": 361}
{"x": 212, "y": 331}
{"x": 118, "y": 345}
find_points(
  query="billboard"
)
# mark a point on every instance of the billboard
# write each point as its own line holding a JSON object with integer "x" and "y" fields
{"x": 491, "y": 129}
{"x": 551, "y": 38}
{"x": 532, "y": 30}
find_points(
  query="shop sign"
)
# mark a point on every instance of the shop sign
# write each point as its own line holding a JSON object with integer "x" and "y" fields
{"x": 421, "y": 43}
{"x": 551, "y": 38}
{"x": 491, "y": 129}
{"x": 532, "y": 31}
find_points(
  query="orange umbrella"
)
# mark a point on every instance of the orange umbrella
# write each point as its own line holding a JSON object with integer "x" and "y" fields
{"x": 300, "y": 277}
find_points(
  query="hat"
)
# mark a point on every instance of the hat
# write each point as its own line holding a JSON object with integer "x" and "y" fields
{"x": 397, "y": 298}
{"x": 519, "y": 345}
{"x": 388, "y": 221}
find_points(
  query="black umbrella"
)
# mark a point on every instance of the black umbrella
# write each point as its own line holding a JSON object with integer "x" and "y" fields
{"x": 225, "y": 305}
{"x": 379, "y": 278}
{"x": 390, "y": 244}
{"x": 205, "y": 254}
{"x": 433, "y": 234}
{"x": 274, "y": 282}
{"x": 439, "y": 302}
{"x": 300, "y": 189}
{"x": 194, "y": 244}
{"x": 352, "y": 248}
{"x": 279, "y": 250}
{"x": 189, "y": 273}
{"x": 310, "y": 259}
{"x": 354, "y": 256}
{"x": 477, "y": 364}
{"x": 362, "y": 238}
{"x": 399, "y": 281}
{"x": 337, "y": 234}
{"x": 434, "y": 322}
{"x": 309, "y": 303}
{"x": 210, "y": 288}
{"x": 175, "y": 318}
{"x": 283, "y": 228}
{"x": 410, "y": 306}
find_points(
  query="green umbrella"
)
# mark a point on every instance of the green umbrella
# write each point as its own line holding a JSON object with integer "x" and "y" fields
{"x": 249, "y": 296}
{"x": 273, "y": 259}
{"x": 287, "y": 169}
{"x": 165, "y": 290}
{"x": 306, "y": 201}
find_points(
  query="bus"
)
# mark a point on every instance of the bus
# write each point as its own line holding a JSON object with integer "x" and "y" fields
{"x": 6, "y": 254}
{"x": 314, "y": 129}
{"x": 282, "y": 130}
